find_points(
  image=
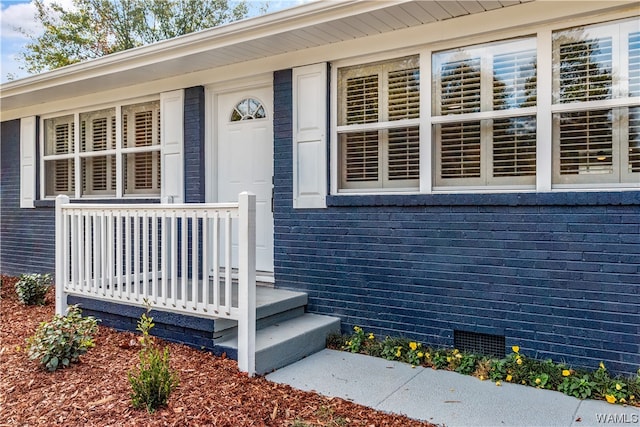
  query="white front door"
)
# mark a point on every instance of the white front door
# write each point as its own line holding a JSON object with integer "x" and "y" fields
{"x": 245, "y": 159}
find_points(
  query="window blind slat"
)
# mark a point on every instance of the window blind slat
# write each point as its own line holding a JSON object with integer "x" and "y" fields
{"x": 460, "y": 86}
{"x": 634, "y": 64}
{"x": 404, "y": 153}
{"x": 361, "y": 156}
{"x": 634, "y": 139}
{"x": 404, "y": 94}
{"x": 586, "y": 142}
{"x": 585, "y": 70}
{"x": 460, "y": 150}
{"x": 362, "y": 100}
{"x": 514, "y": 147}
{"x": 514, "y": 80}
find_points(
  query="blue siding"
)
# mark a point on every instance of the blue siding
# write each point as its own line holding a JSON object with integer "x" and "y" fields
{"x": 27, "y": 236}
{"x": 558, "y": 274}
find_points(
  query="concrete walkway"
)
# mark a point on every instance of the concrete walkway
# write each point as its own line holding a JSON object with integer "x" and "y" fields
{"x": 443, "y": 397}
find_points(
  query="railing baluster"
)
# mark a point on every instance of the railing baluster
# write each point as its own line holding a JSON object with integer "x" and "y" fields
{"x": 216, "y": 262}
{"x": 102, "y": 259}
{"x": 154, "y": 258}
{"x": 74, "y": 250}
{"x": 227, "y": 264}
{"x": 145, "y": 255}
{"x": 195, "y": 283}
{"x": 205, "y": 262}
{"x": 87, "y": 250}
{"x": 95, "y": 226}
{"x": 119, "y": 251}
{"x": 184, "y": 273}
{"x": 110, "y": 238}
{"x": 174, "y": 258}
{"x": 163, "y": 258}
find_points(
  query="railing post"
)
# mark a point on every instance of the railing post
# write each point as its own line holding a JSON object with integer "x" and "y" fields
{"x": 247, "y": 283}
{"x": 62, "y": 258}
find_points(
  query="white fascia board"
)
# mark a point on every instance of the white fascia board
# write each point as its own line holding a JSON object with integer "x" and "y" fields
{"x": 206, "y": 40}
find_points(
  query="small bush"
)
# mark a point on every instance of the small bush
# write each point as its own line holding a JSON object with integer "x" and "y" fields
{"x": 32, "y": 288}
{"x": 155, "y": 380}
{"x": 60, "y": 342}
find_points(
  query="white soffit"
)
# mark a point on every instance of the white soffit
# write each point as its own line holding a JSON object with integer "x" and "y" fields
{"x": 307, "y": 26}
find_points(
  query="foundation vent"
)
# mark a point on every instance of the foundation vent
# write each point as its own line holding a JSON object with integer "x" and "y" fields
{"x": 484, "y": 344}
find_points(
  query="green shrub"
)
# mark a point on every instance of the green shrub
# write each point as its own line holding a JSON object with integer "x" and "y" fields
{"x": 155, "y": 380}
{"x": 32, "y": 288}
{"x": 60, "y": 342}
{"x": 578, "y": 386}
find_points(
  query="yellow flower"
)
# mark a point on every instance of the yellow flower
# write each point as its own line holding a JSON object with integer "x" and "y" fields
{"x": 357, "y": 328}
{"x": 610, "y": 398}
{"x": 420, "y": 354}
{"x": 481, "y": 377}
{"x": 602, "y": 366}
{"x": 618, "y": 387}
{"x": 509, "y": 378}
{"x": 449, "y": 358}
{"x": 632, "y": 397}
{"x": 498, "y": 383}
{"x": 371, "y": 336}
{"x": 427, "y": 356}
{"x": 399, "y": 353}
{"x": 456, "y": 351}
{"x": 538, "y": 381}
{"x": 623, "y": 400}
{"x": 458, "y": 356}
{"x": 515, "y": 349}
{"x": 348, "y": 342}
{"x": 523, "y": 382}
{"x": 519, "y": 361}
{"x": 566, "y": 372}
{"x": 413, "y": 346}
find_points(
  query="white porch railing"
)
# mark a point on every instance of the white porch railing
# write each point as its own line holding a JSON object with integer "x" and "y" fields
{"x": 182, "y": 258}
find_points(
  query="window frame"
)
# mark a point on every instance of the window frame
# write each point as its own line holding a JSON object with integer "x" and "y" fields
{"x": 382, "y": 126}
{"x": 618, "y": 103}
{"x": 78, "y": 155}
{"x": 484, "y": 118}
{"x": 543, "y": 112}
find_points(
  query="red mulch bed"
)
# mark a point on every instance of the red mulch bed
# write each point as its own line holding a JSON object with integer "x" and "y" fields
{"x": 95, "y": 392}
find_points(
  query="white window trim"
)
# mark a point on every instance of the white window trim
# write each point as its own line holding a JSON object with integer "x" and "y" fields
{"x": 544, "y": 111}
{"x": 77, "y": 155}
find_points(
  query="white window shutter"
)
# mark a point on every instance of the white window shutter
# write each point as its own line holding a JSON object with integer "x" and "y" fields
{"x": 28, "y": 163}
{"x": 171, "y": 137}
{"x": 310, "y": 136}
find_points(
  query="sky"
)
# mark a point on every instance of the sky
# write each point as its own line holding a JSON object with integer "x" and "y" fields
{"x": 20, "y": 14}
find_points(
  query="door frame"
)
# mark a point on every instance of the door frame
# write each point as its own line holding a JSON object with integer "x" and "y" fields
{"x": 212, "y": 93}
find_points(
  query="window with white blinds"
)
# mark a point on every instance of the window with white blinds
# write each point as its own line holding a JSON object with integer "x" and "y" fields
{"x": 378, "y": 125}
{"x": 484, "y": 114}
{"x": 98, "y": 152}
{"x": 59, "y": 156}
{"x": 141, "y": 140}
{"x": 98, "y": 149}
{"x": 596, "y": 85}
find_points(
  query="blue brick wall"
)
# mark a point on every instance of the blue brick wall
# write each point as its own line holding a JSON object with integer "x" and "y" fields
{"x": 194, "y": 182}
{"x": 27, "y": 236}
{"x": 558, "y": 274}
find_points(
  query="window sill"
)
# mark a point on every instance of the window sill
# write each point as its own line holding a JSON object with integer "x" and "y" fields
{"x": 490, "y": 199}
{"x": 51, "y": 203}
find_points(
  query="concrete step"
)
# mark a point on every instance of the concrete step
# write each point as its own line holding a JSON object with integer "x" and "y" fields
{"x": 285, "y": 342}
{"x": 272, "y": 306}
